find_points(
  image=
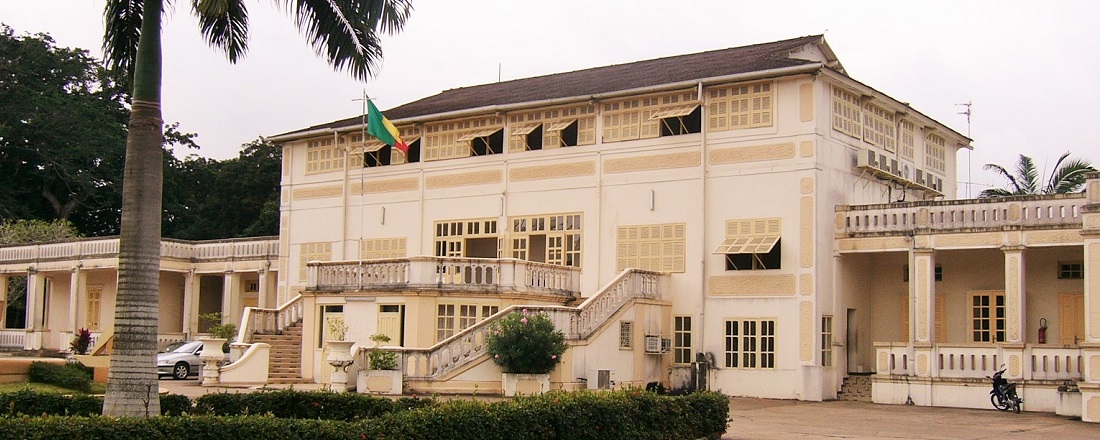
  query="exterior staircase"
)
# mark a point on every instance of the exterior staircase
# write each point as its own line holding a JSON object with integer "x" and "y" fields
{"x": 285, "y": 364}
{"x": 856, "y": 388}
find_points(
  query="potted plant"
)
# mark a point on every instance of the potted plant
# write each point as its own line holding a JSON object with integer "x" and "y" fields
{"x": 383, "y": 376}
{"x": 527, "y": 346}
{"x": 219, "y": 330}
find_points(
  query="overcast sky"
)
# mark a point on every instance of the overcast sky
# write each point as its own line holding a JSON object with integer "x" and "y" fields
{"x": 1030, "y": 68}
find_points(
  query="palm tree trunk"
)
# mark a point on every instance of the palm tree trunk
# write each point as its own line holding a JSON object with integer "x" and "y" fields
{"x": 132, "y": 381}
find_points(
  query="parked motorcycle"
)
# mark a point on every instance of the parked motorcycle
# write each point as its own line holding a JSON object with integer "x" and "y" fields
{"x": 1003, "y": 396}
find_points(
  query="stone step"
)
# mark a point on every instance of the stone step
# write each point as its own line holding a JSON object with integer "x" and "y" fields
{"x": 855, "y": 388}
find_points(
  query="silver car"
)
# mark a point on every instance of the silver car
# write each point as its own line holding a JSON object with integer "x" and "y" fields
{"x": 181, "y": 361}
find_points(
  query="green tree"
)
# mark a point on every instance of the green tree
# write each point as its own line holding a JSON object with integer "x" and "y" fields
{"x": 1068, "y": 177}
{"x": 239, "y": 197}
{"x": 62, "y": 134}
{"x": 345, "y": 32}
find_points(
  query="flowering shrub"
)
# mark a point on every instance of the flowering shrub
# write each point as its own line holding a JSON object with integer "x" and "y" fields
{"x": 381, "y": 360}
{"x": 526, "y": 343}
{"x": 81, "y": 342}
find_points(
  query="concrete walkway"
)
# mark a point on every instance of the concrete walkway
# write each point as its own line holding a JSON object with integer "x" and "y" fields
{"x": 790, "y": 419}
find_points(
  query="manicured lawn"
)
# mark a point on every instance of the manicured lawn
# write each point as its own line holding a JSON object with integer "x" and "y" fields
{"x": 97, "y": 388}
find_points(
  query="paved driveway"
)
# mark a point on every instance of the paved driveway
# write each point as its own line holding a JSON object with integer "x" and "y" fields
{"x": 786, "y": 419}
{"x": 790, "y": 419}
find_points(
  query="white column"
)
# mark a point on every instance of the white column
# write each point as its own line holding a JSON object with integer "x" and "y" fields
{"x": 76, "y": 293}
{"x": 262, "y": 288}
{"x": 36, "y": 281}
{"x": 231, "y": 291}
{"x": 3, "y": 301}
{"x": 922, "y": 308}
{"x": 1015, "y": 313}
{"x": 190, "y": 300}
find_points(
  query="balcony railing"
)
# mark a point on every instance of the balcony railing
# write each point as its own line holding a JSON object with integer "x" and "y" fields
{"x": 574, "y": 322}
{"x": 252, "y": 248}
{"x": 503, "y": 275}
{"x": 257, "y": 320}
{"x": 1052, "y": 211}
{"x": 1040, "y": 362}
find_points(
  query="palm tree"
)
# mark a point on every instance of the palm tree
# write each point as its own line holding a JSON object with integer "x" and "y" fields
{"x": 345, "y": 32}
{"x": 1068, "y": 177}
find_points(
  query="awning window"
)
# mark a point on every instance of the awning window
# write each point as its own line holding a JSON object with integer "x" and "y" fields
{"x": 674, "y": 112}
{"x": 477, "y": 134}
{"x": 372, "y": 147}
{"x": 560, "y": 125}
{"x": 759, "y": 244}
{"x": 524, "y": 130}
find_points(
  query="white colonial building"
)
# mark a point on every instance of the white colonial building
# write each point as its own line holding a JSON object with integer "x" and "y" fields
{"x": 754, "y": 207}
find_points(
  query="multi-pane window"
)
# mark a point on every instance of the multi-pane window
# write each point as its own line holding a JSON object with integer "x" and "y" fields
{"x": 552, "y": 239}
{"x": 376, "y": 248}
{"x": 987, "y": 317}
{"x": 322, "y": 157}
{"x": 826, "y": 340}
{"x": 740, "y": 106}
{"x": 907, "y": 139}
{"x": 454, "y": 139}
{"x": 750, "y": 343}
{"x": 444, "y": 321}
{"x": 316, "y": 251}
{"x": 467, "y": 238}
{"x": 651, "y": 247}
{"x": 878, "y": 127}
{"x": 752, "y": 244}
{"x": 453, "y": 318}
{"x": 847, "y": 117}
{"x": 1071, "y": 270}
{"x": 935, "y": 152}
{"x": 552, "y": 128}
{"x": 681, "y": 339}
{"x": 329, "y": 319}
{"x": 626, "y": 334}
{"x": 95, "y": 296}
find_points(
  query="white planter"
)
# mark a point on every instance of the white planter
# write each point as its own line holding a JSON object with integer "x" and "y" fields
{"x": 212, "y": 356}
{"x": 339, "y": 356}
{"x": 389, "y": 382}
{"x": 1069, "y": 404}
{"x": 514, "y": 383}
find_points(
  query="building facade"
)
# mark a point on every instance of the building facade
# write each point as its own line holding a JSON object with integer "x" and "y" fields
{"x": 753, "y": 209}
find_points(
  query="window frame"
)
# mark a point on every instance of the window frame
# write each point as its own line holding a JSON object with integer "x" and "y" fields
{"x": 995, "y": 328}
{"x": 626, "y": 335}
{"x": 681, "y": 339}
{"x": 1071, "y": 270}
{"x": 755, "y": 351}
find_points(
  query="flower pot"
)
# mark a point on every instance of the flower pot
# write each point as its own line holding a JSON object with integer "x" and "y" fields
{"x": 389, "y": 382}
{"x": 339, "y": 356}
{"x": 515, "y": 383}
{"x": 212, "y": 356}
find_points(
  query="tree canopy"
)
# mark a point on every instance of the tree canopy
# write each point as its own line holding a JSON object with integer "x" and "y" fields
{"x": 62, "y": 134}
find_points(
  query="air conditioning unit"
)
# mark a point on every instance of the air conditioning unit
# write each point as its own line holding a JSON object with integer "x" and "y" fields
{"x": 905, "y": 171}
{"x": 603, "y": 380}
{"x": 937, "y": 183}
{"x": 883, "y": 163}
{"x": 918, "y": 177}
{"x": 894, "y": 167}
{"x": 666, "y": 345}
{"x": 653, "y": 344}
{"x": 867, "y": 159}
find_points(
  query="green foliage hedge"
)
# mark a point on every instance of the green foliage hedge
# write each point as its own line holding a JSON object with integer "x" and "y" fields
{"x": 578, "y": 415}
{"x": 293, "y": 404}
{"x": 71, "y": 375}
{"x": 33, "y": 403}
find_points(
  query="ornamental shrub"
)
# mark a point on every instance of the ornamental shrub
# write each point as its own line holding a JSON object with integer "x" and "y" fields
{"x": 34, "y": 403}
{"x": 379, "y": 359}
{"x": 526, "y": 343}
{"x": 295, "y": 404}
{"x": 71, "y": 375}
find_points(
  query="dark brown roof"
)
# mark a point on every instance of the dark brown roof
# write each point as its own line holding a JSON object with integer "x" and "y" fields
{"x": 599, "y": 80}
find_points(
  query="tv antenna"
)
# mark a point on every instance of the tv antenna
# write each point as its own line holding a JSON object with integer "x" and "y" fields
{"x": 969, "y": 165}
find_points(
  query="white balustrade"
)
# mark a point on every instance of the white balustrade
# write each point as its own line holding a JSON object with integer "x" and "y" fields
{"x": 1055, "y": 363}
{"x": 257, "y": 320}
{"x": 108, "y": 247}
{"x": 12, "y": 338}
{"x": 968, "y": 360}
{"x": 1052, "y": 210}
{"x": 573, "y": 322}
{"x": 974, "y": 361}
{"x": 450, "y": 273}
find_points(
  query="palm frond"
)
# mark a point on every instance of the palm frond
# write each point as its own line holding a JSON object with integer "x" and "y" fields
{"x": 1069, "y": 177}
{"x": 122, "y": 20}
{"x": 345, "y": 32}
{"x": 994, "y": 192}
{"x": 1007, "y": 175}
{"x": 224, "y": 24}
{"x": 1027, "y": 176}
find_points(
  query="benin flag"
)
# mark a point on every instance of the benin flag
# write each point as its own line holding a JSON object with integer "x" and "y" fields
{"x": 381, "y": 128}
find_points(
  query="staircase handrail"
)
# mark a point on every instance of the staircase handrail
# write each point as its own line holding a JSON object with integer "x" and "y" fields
{"x": 575, "y": 323}
{"x": 256, "y": 319}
